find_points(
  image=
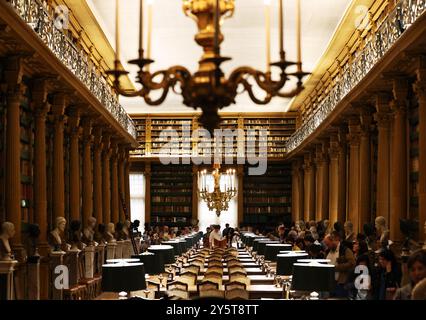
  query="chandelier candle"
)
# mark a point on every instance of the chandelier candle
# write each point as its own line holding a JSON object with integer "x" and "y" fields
{"x": 281, "y": 33}
{"x": 268, "y": 34}
{"x": 216, "y": 27}
{"x": 140, "y": 25}
{"x": 117, "y": 30}
{"x": 149, "y": 36}
{"x": 299, "y": 36}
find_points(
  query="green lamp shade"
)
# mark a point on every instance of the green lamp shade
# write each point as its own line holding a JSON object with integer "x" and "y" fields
{"x": 313, "y": 276}
{"x": 272, "y": 249}
{"x": 122, "y": 276}
{"x": 286, "y": 260}
{"x": 164, "y": 251}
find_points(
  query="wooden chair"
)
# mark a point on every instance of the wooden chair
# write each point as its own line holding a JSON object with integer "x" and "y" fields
{"x": 241, "y": 279}
{"x": 212, "y": 294}
{"x": 177, "y": 285}
{"x": 216, "y": 264}
{"x": 234, "y": 269}
{"x": 188, "y": 277}
{"x": 192, "y": 268}
{"x": 207, "y": 285}
{"x": 215, "y": 271}
{"x": 217, "y": 257}
{"x": 178, "y": 294}
{"x": 214, "y": 277}
{"x": 237, "y": 294}
{"x": 232, "y": 263}
{"x": 219, "y": 248}
{"x": 235, "y": 285}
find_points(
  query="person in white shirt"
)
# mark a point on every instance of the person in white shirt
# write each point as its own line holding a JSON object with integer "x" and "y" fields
{"x": 215, "y": 235}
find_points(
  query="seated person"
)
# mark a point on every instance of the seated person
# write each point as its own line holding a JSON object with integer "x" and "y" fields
{"x": 417, "y": 269}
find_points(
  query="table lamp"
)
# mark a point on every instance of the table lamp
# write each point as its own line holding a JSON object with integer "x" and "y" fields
{"x": 272, "y": 249}
{"x": 123, "y": 276}
{"x": 165, "y": 251}
{"x": 262, "y": 246}
{"x": 313, "y": 277}
{"x": 153, "y": 263}
{"x": 285, "y": 262}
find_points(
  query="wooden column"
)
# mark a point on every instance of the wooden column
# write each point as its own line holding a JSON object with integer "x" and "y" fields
{"x": 420, "y": 90}
{"x": 383, "y": 119}
{"x": 147, "y": 192}
{"x": 58, "y": 108}
{"x": 114, "y": 184}
{"x": 341, "y": 201}
{"x": 354, "y": 142}
{"x": 127, "y": 181}
{"x": 13, "y": 75}
{"x": 97, "y": 174}
{"x": 301, "y": 182}
{"x": 74, "y": 129}
{"x": 334, "y": 186}
{"x": 322, "y": 182}
{"x": 309, "y": 193}
{"x": 399, "y": 176}
{"x": 121, "y": 187}
{"x": 106, "y": 182}
{"x": 87, "y": 194}
{"x": 365, "y": 167}
{"x": 195, "y": 192}
{"x": 295, "y": 191}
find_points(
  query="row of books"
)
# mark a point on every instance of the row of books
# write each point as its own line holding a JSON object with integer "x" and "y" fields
{"x": 172, "y": 209}
{"x": 266, "y": 199}
{"x": 166, "y": 199}
{"x": 267, "y": 210}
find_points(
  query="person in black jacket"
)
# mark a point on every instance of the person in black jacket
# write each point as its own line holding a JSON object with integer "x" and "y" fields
{"x": 389, "y": 275}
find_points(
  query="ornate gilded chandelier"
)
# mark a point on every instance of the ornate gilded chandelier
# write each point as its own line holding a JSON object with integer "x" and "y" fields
{"x": 217, "y": 200}
{"x": 208, "y": 88}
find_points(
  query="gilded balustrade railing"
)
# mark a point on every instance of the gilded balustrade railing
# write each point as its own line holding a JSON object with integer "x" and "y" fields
{"x": 39, "y": 17}
{"x": 405, "y": 13}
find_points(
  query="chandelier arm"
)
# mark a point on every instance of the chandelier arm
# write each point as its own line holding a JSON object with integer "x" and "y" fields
{"x": 248, "y": 88}
{"x": 159, "y": 101}
{"x": 263, "y": 80}
{"x": 291, "y": 93}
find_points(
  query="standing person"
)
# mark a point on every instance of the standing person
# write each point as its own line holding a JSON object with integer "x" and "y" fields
{"x": 388, "y": 276}
{"x": 343, "y": 259}
{"x": 215, "y": 235}
{"x": 225, "y": 231}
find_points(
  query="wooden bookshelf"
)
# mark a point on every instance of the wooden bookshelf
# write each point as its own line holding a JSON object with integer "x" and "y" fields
{"x": 155, "y": 131}
{"x": 171, "y": 195}
{"x": 2, "y": 150}
{"x": 267, "y": 198}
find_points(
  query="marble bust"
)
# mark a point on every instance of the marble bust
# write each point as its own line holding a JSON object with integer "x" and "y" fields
{"x": 57, "y": 235}
{"x": 89, "y": 231}
{"x": 109, "y": 234}
{"x": 349, "y": 231}
{"x": 7, "y": 232}
{"x": 382, "y": 230}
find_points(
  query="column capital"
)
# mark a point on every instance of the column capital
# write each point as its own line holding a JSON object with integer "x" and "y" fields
{"x": 419, "y": 88}
{"x": 86, "y": 123}
{"x": 354, "y": 131}
{"x": 366, "y": 120}
{"x": 97, "y": 137}
{"x": 60, "y": 101}
{"x": 400, "y": 88}
{"x": 14, "y": 72}
{"x": 39, "y": 92}
{"x": 74, "y": 120}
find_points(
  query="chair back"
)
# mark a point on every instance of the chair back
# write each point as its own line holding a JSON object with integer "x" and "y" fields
{"x": 177, "y": 285}
{"x": 192, "y": 268}
{"x": 234, "y": 269}
{"x": 178, "y": 294}
{"x": 235, "y": 285}
{"x": 215, "y": 264}
{"x": 212, "y": 294}
{"x": 236, "y": 294}
{"x": 207, "y": 285}
{"x": 232, "y": 263}
{"x": 188, "y": 277}
{"x": 241, "y": 279}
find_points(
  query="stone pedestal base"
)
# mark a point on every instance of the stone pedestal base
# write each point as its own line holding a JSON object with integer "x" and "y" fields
{"x": 119, "y": 250}
{"x": 6, "y": 279}
{"x": 59, "y": 274}
{"x": 111, "y": 247}
{"x": 33, "y": 271}
{"x": 100, "y": 258}
{"x": 89, "y": 257}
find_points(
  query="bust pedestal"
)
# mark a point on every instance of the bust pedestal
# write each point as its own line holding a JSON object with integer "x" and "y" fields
{"x": 111, "y": 246}
{"x": 73, "y": 264}
{"x": 127, "y": 249}
{"x": 119, "y": 250}
{"x": 89, "y": 257}
{"x": 33, "y": 269}
{"x": 57, "y": 260}
{"x": 100, "y": 257}
{"x": 6, "y": 279}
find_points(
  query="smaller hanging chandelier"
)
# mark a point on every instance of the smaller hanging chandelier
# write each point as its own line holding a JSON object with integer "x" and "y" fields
{"x": 217, "y": 200}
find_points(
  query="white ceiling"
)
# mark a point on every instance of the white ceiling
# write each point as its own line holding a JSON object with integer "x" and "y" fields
{"x": 173, "y": 41}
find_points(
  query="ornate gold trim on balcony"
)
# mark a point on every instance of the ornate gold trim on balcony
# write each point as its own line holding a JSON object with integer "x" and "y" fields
{"x": 398, "y": 21}
{"x": 38, "y": 17}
